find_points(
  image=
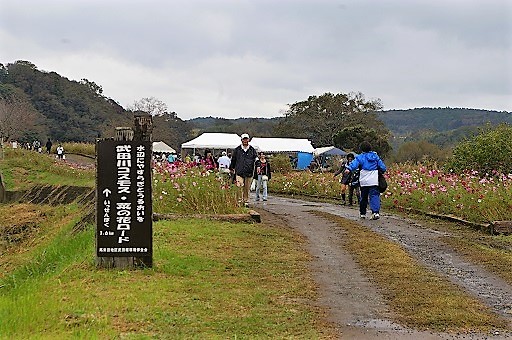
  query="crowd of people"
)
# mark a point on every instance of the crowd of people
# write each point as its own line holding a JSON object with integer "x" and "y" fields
{"x": 251, "y": 170}
{"x": 38, "y": 147}
{"x": 244, "y": 167}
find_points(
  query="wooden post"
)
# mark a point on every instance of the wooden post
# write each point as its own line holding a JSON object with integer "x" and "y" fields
{"x": 2, "y": 189}
{"x": 2, "y": 184}
{"x": 143, "y": 128}
{"x": 142, "y": 132}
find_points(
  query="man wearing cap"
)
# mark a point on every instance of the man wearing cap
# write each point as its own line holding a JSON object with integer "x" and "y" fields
{"x": 242, "y": 164}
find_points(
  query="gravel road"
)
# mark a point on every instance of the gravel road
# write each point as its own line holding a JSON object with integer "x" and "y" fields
{"x": 353, "y": 304}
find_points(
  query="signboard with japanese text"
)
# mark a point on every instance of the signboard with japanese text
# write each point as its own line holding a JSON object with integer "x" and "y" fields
{"x": 124, "y": 203}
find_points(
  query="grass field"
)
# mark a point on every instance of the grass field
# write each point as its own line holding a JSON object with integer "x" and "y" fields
{"x": 210, "y": 280}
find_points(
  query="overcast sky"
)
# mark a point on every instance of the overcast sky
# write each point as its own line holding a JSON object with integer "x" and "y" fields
{"x": 251, "y": 58}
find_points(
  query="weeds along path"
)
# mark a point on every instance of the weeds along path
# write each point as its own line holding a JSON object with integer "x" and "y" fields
{"x": 354, "y": 305}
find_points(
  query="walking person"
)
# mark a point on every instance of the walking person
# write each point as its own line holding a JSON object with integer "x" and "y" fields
{"x": 369, "y": 165}
{"x": 242, "y": 165}
{"x": 353, "y": 187}
{"x": 262, "y": 175}
{"x": 345, "y": 177}
{"x": 60, "y": 152}
{"x": 49, "y": 146}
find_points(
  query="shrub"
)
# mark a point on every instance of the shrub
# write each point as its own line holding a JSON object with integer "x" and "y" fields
{"x": 79, "y": 148}
{"x": 490, "y": 151}
{"x": 419, "y": 151}
{"x": 281, "y": 163}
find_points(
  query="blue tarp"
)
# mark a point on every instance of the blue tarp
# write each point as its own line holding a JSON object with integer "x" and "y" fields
{"x": 303, "y": 160}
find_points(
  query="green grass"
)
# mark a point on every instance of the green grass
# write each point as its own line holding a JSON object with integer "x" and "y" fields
{"x": 22, "y": 169}
{"x": 209, "y": 280}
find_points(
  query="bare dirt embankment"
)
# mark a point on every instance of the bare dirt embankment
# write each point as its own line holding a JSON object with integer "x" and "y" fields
{"x": 353, "y": 303}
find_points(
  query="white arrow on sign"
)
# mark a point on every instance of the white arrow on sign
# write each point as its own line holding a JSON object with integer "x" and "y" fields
{"x": 107, "y": 192}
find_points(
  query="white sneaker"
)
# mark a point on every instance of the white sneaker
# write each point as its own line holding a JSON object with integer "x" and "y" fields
{"x": 362, "y": 217}
{"x": 375, "y": 216}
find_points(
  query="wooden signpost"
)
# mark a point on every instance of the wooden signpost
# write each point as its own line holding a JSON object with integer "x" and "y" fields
{"x": 124, "y": 213}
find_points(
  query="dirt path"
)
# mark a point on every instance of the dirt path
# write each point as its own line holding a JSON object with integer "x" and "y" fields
{"x": 353, "y": 304}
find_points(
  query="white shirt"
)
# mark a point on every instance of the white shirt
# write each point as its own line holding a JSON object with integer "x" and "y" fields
{"x": 224, "y": 162}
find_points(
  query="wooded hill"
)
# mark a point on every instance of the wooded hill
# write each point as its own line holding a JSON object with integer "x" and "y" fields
{"x": 440, "y": 126}
{"x": 67, "y": 110}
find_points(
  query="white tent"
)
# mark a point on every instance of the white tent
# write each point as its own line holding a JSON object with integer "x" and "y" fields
{"x": 162, "y": 147}
{"x": 213, "y": 140}
{"x": 282, "y": 144}
{"x": 329, "y": 150}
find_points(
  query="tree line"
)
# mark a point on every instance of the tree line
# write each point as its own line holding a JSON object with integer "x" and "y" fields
{"x": 36, "y": 104}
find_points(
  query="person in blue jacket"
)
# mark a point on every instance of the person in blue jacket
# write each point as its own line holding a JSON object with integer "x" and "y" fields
{"x": 369, "y": 164}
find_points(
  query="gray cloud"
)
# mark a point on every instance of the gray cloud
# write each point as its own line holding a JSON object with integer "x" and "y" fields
{"x": 234, "y": 58}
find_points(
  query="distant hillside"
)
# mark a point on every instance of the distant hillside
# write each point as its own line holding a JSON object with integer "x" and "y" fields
{"x": 76, "y": 111}
{"x": 72, "y": 111}
{"x": 259, "y": 127}
{"x": 407, "y": 122}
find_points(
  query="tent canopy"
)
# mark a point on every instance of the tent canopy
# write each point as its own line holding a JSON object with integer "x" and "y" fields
{"x": 213, "y": 140}
{"x": 162, "y": 147}
{"x": 329, "y": 150}
{"x": 282, "y": 145}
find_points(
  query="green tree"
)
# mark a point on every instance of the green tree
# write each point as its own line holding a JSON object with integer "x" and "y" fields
{"x": 320, "y": 118}
{"x": 490, "y": 150}
{"x": 351, "y": 137}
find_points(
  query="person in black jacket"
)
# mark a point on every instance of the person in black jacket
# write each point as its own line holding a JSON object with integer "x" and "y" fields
{"x": 49, "y": 146}
{"x": 242, "y": 165}
{"x": 262, "y": 175}
{"x": 345, "y": 178}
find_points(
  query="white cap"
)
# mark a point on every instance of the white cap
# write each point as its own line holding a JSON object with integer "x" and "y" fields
{"x": 244, "y": 135}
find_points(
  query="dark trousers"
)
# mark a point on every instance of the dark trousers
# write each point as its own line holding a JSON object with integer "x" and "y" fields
{"x": 351, "y": 190}
{"x": 371, "y": 195}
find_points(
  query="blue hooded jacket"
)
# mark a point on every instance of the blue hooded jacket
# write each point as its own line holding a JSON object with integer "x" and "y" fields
{"x": 369, "y": 163}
